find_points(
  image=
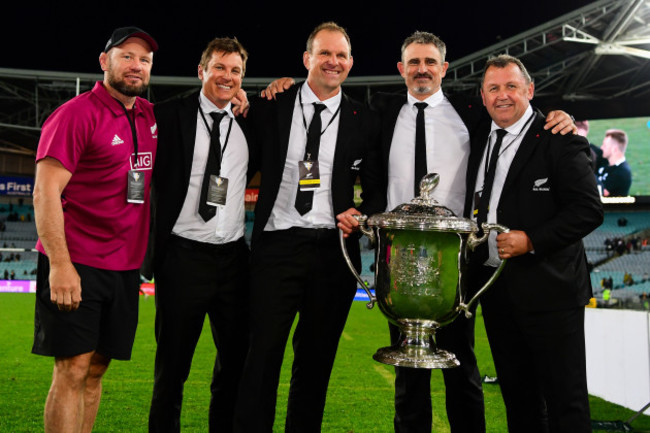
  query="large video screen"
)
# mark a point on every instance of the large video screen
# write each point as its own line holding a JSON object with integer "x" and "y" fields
{"x": 617, "y": 178}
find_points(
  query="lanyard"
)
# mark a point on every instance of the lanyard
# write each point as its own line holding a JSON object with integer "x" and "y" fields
{"x": 302, "y": 112}
{"x": 133, "y": 131}
{"x": 222, "y": 150}
{"x": 488, "y": 154}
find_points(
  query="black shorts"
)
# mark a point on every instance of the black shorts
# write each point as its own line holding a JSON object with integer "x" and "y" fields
{"x": 105, "y": 321}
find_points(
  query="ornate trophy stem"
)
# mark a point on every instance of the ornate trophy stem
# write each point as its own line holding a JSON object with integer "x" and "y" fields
{"x": 416, "y": 348}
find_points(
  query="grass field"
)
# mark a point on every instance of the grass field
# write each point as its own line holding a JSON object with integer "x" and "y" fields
{"x": 638, "y": 148}
{"x": 359, "y": 400}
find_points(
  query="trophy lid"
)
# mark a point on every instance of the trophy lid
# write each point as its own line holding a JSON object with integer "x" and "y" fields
{"x": 424, "y": 213}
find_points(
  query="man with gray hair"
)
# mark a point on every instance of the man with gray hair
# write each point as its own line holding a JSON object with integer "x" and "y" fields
{"x": 541, "y": 186}
{"x": 411, "y": 149}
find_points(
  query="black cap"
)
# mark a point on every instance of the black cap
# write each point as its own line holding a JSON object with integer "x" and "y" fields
{"x": 123, "y": 33}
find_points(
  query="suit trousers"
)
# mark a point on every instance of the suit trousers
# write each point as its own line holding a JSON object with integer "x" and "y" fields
{"x": 195, "y": 280}
{"x": 464, "y": 392}
{"x": 539, "y": 358}
{"x": 303, "y": 272}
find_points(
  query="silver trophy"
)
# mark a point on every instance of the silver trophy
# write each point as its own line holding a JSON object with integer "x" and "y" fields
{"x": 420, "y": 262}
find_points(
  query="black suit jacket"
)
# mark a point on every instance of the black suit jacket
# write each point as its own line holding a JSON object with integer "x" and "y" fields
{"x": 357, "y": 140}
{"x": 176, "y": 122}
{"x": 550, "y": 193}
{"x": 388, "y": 106}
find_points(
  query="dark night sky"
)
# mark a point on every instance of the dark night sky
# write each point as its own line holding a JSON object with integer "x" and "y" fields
{"x": 69, "y": 37}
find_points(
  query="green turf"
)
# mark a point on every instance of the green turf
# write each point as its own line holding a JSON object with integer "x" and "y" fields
{"x": 359, "y": 399}
{"x": 638, "y": 151}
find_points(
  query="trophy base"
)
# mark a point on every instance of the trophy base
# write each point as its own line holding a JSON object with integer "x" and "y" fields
{"x": 419, "y": 357}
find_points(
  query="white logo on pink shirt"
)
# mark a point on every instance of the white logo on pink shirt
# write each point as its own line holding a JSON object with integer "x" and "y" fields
{"x": 116, "y": 140}
{"x": 144, "y": 162}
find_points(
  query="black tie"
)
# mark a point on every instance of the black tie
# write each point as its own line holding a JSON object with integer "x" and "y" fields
{"x": 484, "y": 202}
{"x": 304, "y": 199}
{"x": 420, "y": 147}
{"x": 213, "y": 167}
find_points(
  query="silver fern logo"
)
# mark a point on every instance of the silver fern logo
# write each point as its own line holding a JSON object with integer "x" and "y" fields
{"x": 541, "y": 185}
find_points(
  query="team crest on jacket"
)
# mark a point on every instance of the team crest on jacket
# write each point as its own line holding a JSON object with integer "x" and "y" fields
{"x": 541, "y": 185}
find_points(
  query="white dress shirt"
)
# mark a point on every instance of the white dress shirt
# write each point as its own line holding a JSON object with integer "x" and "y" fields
{"x": 509, "y": 146}
{"x": 284, "y": 214}
{"x": 447, "y": 142}
{"x": 228, "y": 224}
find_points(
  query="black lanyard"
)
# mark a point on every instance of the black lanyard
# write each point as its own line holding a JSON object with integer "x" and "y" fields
{"x": 222, "y": 150}
{"x": 133, "y": 130}
{"x": 302, "y": 112}
{"x": 487, "y": 155}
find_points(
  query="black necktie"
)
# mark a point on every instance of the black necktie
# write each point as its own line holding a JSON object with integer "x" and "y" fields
{"x": 213, "y": 166}
{"x": 304, "y": 199}
{"x": 481, "y": 253}
{"x": 420, "y": 147}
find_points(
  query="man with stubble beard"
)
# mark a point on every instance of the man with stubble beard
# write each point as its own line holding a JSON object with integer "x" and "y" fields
{"x": 91, "y": 205}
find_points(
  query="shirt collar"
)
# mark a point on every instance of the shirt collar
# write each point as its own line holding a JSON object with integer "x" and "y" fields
{"x": 208, "y": 106}
{"x": 516, "y": 127}
{"x": 309, "y": 97}
{"x": 432, "y": 100}
{"x": 113, "y": 104}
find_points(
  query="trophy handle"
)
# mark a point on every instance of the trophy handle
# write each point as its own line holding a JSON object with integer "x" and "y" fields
{"x": 472, "y": 242}
{"x": 363, "y": 227}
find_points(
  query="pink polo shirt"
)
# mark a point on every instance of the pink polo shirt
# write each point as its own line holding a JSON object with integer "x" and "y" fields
{"x": 91, "y": 136}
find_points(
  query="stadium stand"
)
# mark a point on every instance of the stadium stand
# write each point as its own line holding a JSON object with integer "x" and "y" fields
{"x": 17, "y": 240}
{"x": 619, "y": 250}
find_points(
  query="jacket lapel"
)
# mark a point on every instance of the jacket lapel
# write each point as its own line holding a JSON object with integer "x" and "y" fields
{"x": 344, "y": 135}
{"x": 526, "y": 148}
{"x": 477, "y": 146}
{"x": 187, "y": 121}
{"x": 390, "y": 120}
{"x": 284, "y": 118}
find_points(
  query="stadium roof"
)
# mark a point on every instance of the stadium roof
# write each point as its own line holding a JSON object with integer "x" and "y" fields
{"x": 592, "y": 62}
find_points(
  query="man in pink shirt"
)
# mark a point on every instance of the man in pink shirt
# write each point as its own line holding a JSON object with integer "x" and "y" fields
{"x": 91, "y": 194}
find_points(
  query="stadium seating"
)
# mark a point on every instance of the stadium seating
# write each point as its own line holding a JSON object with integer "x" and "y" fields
{"x": 610, "y": 263}
{"x": 18, "y": 238}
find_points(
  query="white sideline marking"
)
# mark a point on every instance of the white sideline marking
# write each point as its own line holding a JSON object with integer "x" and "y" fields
{"x": 385, "y": 373}
{"x": 347, "y": 336}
